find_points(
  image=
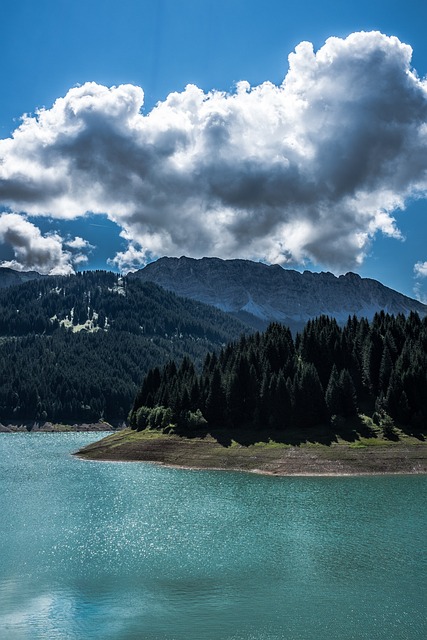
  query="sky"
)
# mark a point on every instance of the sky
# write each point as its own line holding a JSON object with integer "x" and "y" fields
{"x": 290, "y": 133}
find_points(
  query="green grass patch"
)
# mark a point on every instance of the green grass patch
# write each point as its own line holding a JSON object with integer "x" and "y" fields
{"x": 272, "y": 444}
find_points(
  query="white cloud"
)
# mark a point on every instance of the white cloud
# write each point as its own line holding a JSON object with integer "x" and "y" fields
{"x": 32, "y": 250}
{"x": 80, "y": 258}
{"x": 420, "y": 269}
{"x": 79, "y": 243}
{"x": 419, "y": 293}
{"x": 130, "y": 260}
{"x": 310, "y": 169}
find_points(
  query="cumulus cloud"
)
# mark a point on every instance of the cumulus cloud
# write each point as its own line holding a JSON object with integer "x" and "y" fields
{"x": 35, "y": 252}
{"x": 129, "y": 260}
{"x": 309, "y": 169}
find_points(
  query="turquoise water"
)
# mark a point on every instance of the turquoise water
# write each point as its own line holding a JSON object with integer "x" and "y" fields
{"x": 121, "y": 551}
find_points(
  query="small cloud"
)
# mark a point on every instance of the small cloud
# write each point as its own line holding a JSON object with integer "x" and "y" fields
{"x": 131, "y": 260}
{"x": 419, "y": 293}
{"x": 420, "y": 269}
{"x": 79, "y": 244}
{"x": 80, "y": 258}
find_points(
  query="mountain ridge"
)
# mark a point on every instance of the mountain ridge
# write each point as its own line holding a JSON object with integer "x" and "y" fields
{"x": 11, "y": 277}
{"x": 271, "y": 293}
{"x": 257, "y": 294}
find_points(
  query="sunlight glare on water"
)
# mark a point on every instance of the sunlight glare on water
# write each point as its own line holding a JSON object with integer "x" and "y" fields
{"x": 127, "y": 551}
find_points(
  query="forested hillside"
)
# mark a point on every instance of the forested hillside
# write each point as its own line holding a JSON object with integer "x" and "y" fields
{"x": 273, "y": 382}
{"x": 76, "y": 348}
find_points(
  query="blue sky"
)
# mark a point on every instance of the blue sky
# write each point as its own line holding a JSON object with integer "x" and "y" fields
{"x": 50, "y": 47}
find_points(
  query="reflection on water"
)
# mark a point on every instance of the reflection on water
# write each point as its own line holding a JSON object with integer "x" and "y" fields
{"x": 134, "y": 551}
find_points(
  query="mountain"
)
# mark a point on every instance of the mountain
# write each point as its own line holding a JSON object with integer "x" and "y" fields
{"x": 10, "y": 277}
{"x": 259, "y": 293}
{"x": 77, "y": 347}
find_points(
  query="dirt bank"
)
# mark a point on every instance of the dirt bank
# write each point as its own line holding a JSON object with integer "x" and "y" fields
{"x": 408, "y": 455}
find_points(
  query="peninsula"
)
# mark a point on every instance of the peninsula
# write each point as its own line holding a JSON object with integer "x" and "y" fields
{"x": 363, "y": 455}
{"x": 332, "y": 400}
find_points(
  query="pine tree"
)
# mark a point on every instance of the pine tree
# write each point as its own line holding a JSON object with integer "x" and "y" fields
{"x": 215, "y": 402}
{"x": 309, "y": 402}
{"x": 348, "y": 394}
{"x": 333, "y": 393}
{"x": 386, "y": 367}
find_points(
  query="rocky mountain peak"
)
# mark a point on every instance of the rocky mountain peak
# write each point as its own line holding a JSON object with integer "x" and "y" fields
{"x": 268, "y": 293}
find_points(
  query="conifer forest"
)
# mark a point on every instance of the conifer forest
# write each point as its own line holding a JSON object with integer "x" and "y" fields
{"x": 76, "y": 348}
{"x": 275, "y": 382}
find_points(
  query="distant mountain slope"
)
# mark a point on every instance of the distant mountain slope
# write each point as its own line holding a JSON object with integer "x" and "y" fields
{"x": 272, "y": 293}
{"x": 100, "y": 300}
{"x": 75, "y": 348}
{"x": 10, "y": 277}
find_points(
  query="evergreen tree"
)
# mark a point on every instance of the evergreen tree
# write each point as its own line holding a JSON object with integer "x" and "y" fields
{"x": 215, "y": 402}
{"x": 333, "y": 393}
{"x": 309, "y": 402}
{"x": 348, "y": 394}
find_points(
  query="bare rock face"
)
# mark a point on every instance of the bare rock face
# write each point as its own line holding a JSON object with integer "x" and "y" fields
{"x": 271, "y": 293}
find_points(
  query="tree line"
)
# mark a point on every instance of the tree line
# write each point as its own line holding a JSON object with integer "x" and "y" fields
{"x": 273, "y": 381}
{"x": 76, "y": 348}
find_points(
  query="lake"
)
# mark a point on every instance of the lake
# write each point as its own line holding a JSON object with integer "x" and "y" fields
{"x": 121, "y": 551}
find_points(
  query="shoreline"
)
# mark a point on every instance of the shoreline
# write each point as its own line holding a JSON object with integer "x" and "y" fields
{"x": 261, "y": 472}
{"x": 34, "y": 426}
{"x": 405, "y": 457}
{"x": 300, "y": 474}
